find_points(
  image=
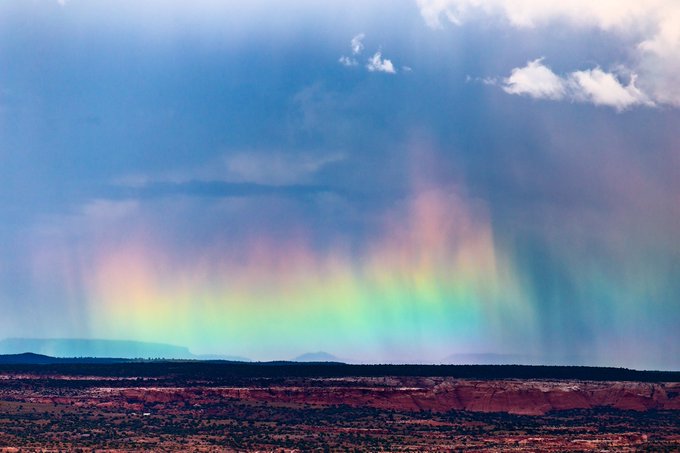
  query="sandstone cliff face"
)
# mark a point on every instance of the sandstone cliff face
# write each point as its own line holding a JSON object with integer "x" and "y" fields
{"x": 414, "y": 394}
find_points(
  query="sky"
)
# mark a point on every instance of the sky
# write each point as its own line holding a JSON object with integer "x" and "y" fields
{"x": 386, "y": 181}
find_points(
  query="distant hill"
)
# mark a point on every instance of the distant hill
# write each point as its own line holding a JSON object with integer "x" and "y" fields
{"x": 319, "y": 356}
{"x": 27, "y": 358}
{"x": 94, "y": 348}
{"x": 71, "y": 347}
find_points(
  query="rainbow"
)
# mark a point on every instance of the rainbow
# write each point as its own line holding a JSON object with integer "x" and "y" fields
{"x": 431, "y": 283}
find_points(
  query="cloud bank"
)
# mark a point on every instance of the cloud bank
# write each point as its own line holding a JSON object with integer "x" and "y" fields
{"x": 653, "y": 26}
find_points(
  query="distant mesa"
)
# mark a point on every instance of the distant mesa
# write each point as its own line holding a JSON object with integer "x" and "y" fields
{"x": 319, "y": 356}
{"x": 122, "y": 349}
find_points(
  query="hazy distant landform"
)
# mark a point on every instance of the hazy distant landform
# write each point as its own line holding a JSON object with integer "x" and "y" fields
{"x": 122, "y": 349}
{"x": 104, "y": 349}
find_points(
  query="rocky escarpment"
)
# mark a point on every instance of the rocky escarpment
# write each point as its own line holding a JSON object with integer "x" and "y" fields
{"x": 533, "y": 397}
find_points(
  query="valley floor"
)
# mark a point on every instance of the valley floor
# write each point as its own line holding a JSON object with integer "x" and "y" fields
{"x": 53, "y": 412}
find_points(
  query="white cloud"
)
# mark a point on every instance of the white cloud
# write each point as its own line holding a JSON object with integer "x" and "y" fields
{"x": 347, "y": 61}
{"x": 535, "y": 80}
{"x": 593, "y": 86}
{"x": 259, "y": 167}
{"x": 275, "y": 168}
{"x": 653, "y": 25}
{"x": 376, "y": 63}
{"x": 358, "y": 44}
{"x": 379, "y": 64}
{"x": 604, "y": 88}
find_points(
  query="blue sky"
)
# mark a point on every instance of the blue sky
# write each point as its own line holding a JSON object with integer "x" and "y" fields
{"x": 206, "y": 124}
